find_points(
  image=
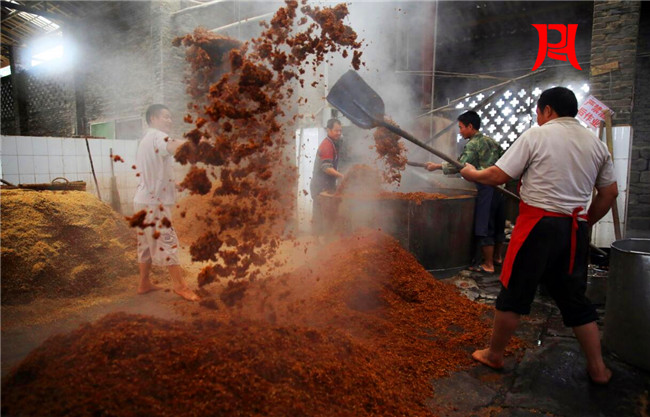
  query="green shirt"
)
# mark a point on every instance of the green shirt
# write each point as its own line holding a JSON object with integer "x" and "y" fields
{"x": 481, "y": 151}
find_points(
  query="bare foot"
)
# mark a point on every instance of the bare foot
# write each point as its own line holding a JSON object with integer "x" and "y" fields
{"x": 143, "y": 289}
{"x": 482, "y": 269}
{"x": 483, "y": 356}
{"x": 187, "y": 294}
{"x": 601, "y": 377}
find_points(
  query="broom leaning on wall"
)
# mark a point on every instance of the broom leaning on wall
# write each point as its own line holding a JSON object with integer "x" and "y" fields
{"x": 115, "y": 195}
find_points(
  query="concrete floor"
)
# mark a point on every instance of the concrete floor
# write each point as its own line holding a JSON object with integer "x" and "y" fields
{"x": 548, "y": 380}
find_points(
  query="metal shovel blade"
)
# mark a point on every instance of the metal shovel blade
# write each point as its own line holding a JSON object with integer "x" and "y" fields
{"x": 357, "y": 100}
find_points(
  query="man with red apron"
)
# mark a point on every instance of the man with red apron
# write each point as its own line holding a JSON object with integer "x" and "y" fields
{"x": 559, "y": 163}
{"x": 325, "y": 172}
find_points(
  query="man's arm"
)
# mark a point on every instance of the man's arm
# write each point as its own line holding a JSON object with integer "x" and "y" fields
{"x": 602, "y": 202}
{"x": 432, "y": 166}
{"x": 469, "y": 155}
{"x": 331, "y": 171}
{"x": 173, "y": 145}
{"x": 489, "y": 176}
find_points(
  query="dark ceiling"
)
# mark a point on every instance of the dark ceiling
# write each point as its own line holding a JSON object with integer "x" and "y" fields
{"x": 476, "y": 20}
{"x": 462, "y": 20}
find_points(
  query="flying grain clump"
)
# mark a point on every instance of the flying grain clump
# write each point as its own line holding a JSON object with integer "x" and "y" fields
{"x": 392, "y": 151}
{"x": 240, "y": 92}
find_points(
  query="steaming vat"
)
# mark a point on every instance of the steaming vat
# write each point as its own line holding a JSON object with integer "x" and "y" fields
{"x": 627, "y": 324}
{"x": 438, "y": 233}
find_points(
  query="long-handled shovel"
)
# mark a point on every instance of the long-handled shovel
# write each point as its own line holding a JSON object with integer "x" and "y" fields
{"x": 365, "y": 108}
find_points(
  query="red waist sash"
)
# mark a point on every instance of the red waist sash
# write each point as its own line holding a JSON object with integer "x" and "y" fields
{"x": 527, "y": 219}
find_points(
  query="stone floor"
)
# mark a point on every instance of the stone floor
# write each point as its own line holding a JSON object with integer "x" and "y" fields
{"x": 549, "y": 379}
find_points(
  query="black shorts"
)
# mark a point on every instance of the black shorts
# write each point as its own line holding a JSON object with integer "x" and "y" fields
{"x": 489, "y": 216}
{"x": 544, "y": 257}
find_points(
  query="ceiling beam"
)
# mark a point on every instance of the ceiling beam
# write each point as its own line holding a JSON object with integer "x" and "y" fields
{"x": 29, "y": 9}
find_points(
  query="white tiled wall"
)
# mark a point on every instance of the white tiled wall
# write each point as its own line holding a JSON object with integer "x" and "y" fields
{"x": 603, "y": 232}
{"x": 29, "y": 160}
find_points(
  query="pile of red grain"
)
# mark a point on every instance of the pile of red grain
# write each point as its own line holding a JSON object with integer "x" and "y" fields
{"x": 363, "y": 181}
{"x": 361, "y": 331}
{"x": 242, "y": 93}
{"x": 418, "y": 197}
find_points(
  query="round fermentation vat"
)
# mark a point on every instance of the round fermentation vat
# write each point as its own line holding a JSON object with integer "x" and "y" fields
{"x": 438, "y": 232}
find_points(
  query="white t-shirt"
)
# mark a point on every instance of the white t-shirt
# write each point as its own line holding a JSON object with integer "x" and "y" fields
{"x": 154, "y": 164}
{"x": 559, "y": 163}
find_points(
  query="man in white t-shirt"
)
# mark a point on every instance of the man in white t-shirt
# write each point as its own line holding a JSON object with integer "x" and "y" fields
{"x": 156, "y": 193}
{"x": 559, "y": 163}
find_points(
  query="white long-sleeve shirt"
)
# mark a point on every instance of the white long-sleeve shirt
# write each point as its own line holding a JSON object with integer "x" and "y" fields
{"x": 155, "y": 166}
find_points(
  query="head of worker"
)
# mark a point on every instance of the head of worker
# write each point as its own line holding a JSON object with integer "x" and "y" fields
{"x": 468, "y": 124}
{"x": 334, "y": 129}
{"x": 556, "y": 102}
{"x": 159, "y": 117}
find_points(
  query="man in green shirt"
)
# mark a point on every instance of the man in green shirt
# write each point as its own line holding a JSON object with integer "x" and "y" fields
{"x": 489, "y": 217}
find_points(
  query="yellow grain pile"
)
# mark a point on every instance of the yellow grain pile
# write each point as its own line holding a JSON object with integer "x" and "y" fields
{"x": 61, "y": 244}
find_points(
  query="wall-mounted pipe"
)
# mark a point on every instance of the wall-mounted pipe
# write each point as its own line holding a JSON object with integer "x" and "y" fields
{"x": 194, "y": 8}
{"x": 248, "y": 20}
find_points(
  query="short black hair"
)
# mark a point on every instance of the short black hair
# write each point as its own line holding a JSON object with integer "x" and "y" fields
{"x": 332, "y": 122}
{"x": 470, "y": 118}
{"x": 154, "y": 110}
{"x": 561, "y": 99}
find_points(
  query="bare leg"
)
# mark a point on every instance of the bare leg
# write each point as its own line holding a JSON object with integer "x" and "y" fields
{"x": 145, "y": 285}
{"x": 488, "y": 253}
{"x": 179, "y": 284}
{"x": 498, "y": 252}
{"x": 589, "y": 339}
{"x": 505, "y": 324}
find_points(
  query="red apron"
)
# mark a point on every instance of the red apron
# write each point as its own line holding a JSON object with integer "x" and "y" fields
{"x": 527, "y": 219}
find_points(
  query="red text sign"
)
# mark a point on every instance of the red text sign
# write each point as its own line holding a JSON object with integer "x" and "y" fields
{"x": 592, "y": 112}
{"x": 561, "y": 51}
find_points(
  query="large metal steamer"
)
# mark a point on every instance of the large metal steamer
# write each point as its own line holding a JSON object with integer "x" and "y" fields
{"x": 627, "y": 322}
{"x": 438, "y": 233}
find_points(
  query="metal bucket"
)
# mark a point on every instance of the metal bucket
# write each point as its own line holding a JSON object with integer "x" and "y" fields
{"x": 438, "y": 233}
{"x": 627, "y": 308}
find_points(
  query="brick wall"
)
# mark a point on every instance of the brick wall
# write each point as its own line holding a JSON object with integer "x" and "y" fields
{"x": 125, "y": 62}
{"x": 639, "y": 207}
{"x": 620, "y": 36}
{"x": 47, "y": 101}
{"x": 614, "y": 38}
{"x": 122, "y": 62}
{"x": 171, "y": 77}
{"x": 133, "y": 63}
